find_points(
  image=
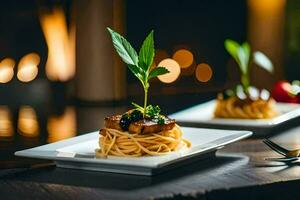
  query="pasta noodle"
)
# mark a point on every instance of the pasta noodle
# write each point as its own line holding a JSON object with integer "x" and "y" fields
{"x": 118, "y": 143}
{"x": 232, "y": 108}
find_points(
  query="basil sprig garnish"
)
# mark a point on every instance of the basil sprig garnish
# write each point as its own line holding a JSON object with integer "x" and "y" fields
{"x": 139, "y": 64}
{"x": 242, "y": 55}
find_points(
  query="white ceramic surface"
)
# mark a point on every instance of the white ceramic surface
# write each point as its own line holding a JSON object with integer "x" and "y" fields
{"x": 78, "y": 152}
{"x": 204, "y": 114}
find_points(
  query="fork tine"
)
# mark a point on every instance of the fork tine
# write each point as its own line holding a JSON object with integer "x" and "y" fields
{"x": 283, "y": 159}
{"x": 273, "y": 148}
{"x": 284, "y": 150}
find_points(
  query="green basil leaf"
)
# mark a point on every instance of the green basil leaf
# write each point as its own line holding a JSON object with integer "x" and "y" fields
{"x": 244, "y": 59}
{"x": 158, "y": 71}
{"x": 240, "y": 53}
{"x": 232, "y": 48}
{"x": 146, "y": 53}
{"x": 262, "y": 61}
{"x": 140, "y": 65}
{"x": 246, "y": 48}
{"x": 123, "y": 48}
{"x": 136, "y": 71}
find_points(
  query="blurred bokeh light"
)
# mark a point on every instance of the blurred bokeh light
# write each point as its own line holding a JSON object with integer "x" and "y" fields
{"x": 60, "y": 64}
{"x": 184, "y": 58}
{"x": 28, "y": 67}
{"x": 174, "y": 69}
{"x": 6, "y": 125}
{"x": 28, "y": 125}
{"x": 203, "y": 72}
{"x": 6, "y": 70}
{"x": 62, "y": 126}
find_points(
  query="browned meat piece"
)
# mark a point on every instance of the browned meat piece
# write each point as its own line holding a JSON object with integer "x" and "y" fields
{"x": 139, "y": 127}
{"x": 113, "y": 122}
{"x": 150, "y": 126}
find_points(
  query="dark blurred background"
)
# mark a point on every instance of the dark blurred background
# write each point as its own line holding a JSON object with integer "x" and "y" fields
{"x": 60, "y": 76}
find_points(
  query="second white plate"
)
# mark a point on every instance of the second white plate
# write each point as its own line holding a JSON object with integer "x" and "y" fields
{"x": 204, "y": 114}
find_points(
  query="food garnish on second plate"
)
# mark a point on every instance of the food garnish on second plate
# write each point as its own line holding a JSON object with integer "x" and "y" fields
{"x": 246, "y": 101}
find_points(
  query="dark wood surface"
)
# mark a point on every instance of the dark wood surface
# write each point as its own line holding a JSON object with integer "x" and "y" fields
{"x": 238, "y": 171}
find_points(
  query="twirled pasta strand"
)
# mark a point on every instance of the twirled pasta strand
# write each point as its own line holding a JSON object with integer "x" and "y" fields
{"x": 118, "y": 143}
{"x": 258, "y": 109}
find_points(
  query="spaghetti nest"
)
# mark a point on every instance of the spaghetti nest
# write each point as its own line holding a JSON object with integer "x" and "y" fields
{"x": 245, "y": 109}
{"x": 118, "y": 143}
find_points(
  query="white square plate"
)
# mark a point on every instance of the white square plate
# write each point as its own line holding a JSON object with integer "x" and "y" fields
{"x": 78, "y": 152}
{"x": 204, "y": 114}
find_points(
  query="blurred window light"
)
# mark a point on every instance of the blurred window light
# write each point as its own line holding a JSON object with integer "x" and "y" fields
{"x": 6, "y": 70}
{"x": 174, "y": 69}
{"x": 203, "y": 72}
{"x": 28, "y": 125}
{"x": 28, "y": 67}
{"x": 60, "y": 65}
{"x": 6, "y": 125}
{"x": 63, "y": 126}
{"x": 184, "y": 58}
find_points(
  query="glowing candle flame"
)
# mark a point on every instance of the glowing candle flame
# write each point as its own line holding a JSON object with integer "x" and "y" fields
{"x": 60, "y": 64}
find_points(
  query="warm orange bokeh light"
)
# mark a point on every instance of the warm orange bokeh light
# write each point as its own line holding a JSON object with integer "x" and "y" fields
{"x": 62, "y": 127}
{"x": 28, "y": 125}
{"x": 266, "y": 32}
{"x": 60, "y": 64}
{"x": 6, "y": 125}
{"x": 266, "y": 5}
{"x": 28, "y": 67}
{"x": 6, "y": 70}
{"x": 184, "y": 58}
{"x": 174, "y": 69}
{"x": 203, "y": 72}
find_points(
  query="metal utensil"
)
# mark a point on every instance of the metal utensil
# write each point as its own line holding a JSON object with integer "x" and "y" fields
{"x": 283, "y": 159}
{"x": 289, "y": 155}
{"x": 281, "y": 150}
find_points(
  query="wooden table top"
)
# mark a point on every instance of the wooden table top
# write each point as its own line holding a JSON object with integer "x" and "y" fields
{"x": 238, "y": 171}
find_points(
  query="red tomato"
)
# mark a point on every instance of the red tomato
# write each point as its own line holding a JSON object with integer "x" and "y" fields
{"x": 281, "y": 92}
